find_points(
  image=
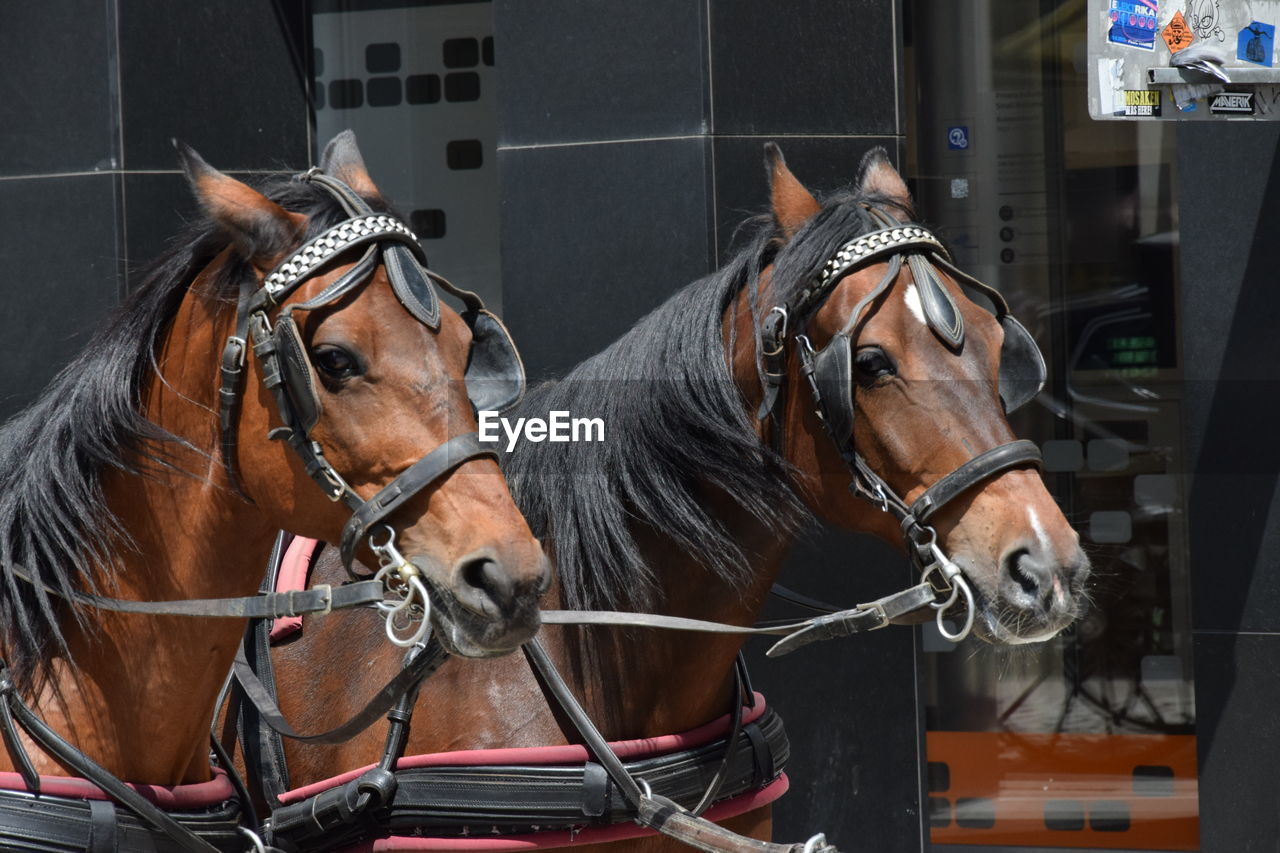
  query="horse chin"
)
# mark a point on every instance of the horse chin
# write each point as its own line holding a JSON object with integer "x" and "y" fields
{"x": 1000, "y": 623}
{"x": 469, "y": 635}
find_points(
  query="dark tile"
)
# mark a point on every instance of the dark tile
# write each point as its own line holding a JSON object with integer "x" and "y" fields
{"x": 57, "y": 102}
{"x": 593, "y": 237}
{"x": 462, "y": 86}
{"x": 62, "y": 272}
{"x": 422, "y": 88}
{"x": 228, "y": 78}
{"x": 1232, "y": 369}
{"x": 156, "y": 208}
{"x": 382, "y": 58}
{"x": 428, "y": 224}
{"x": 383, "y": 91}
{"x": 809, "y": 66}
{"x": 464, "y": 154}
{"x": 461, "y": 53}
{"x": 583, "y": 70}
{"x": 854, "y": 748}
{"x": 822, "y": 164}
{"x": 1238, "y": 741}
{"x": 346, "y": 94}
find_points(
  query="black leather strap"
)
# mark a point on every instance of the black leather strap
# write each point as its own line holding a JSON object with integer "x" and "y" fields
{"x": 412, "y": 480}
{"x": 59, "y": 749}
{"x": 266, "y": 605}
{"x": 410, "y": 675}
{"x": 981, "y": 467}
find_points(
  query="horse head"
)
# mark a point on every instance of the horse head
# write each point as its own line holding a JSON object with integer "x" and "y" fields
{"x": 358, "y": 366}
{"x": 914, "y": 378}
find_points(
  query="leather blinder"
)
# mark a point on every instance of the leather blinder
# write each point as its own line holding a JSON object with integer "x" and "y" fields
{"x": 299, "y": 377}
{"x": 1022, "y": 369}
{"x": 833, "y": 380}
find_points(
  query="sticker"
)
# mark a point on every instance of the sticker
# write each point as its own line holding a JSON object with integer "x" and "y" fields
{"x": 1178, "y": 35}
{"x": 958, "y": 138}
{"x": 1205, "y": 18}
{"x": 1237, "y": 103}
{"x": 959, "y": 187}
{"x": 1133, "y": 23}
{"x": 1142, "y": 102}
{"x": 1255, "y": 43}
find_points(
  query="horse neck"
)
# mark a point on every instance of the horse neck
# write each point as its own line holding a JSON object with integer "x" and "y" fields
{"x": 139, "y": 691}
{"x": 670, "y": 681}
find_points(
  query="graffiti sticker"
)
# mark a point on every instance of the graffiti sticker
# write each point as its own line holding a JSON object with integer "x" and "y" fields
{"x": 1133, "y": 23}
{"x": 1256, "y": 42}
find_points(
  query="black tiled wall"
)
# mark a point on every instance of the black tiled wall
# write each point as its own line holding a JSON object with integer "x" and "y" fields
{"x": 1229, "y": 216}
{"x": 630, "y": 147}
{"x": 91, "y": 93}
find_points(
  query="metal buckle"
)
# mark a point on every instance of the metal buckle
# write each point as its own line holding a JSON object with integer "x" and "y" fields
{"x": 779, "y": 335}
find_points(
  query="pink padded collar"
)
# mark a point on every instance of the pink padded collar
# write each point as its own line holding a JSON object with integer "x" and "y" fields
{"x": 168, "y": 797}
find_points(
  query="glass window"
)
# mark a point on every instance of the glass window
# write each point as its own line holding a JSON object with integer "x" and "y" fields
{"x": 1087, "y": 740}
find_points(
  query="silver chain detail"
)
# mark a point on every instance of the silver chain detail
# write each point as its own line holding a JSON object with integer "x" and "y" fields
{"x": 877, "y": 242}
{"x": 337, "y": 239}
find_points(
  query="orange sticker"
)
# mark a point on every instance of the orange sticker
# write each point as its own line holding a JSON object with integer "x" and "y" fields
{"x": 1178, "y": 35}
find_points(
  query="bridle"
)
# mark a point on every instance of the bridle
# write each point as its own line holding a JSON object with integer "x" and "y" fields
{"x": 495, "y": 380}
{"x": 495, "y": 375}
{"x": 829, "y": 375}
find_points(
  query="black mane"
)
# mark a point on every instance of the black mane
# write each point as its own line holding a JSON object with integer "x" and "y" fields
{"x": 677, "y": 430}
{"x": 53, "y": 519}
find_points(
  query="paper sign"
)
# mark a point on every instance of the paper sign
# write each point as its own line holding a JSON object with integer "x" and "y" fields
{"x": 1133, "y": 23}
{"x": 1178, "y": 35}
{"x": 1256, "y": 42}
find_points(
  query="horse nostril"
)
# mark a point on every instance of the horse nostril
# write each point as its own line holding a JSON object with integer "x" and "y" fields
{"x": 1013, "y": 563}
{"x": 1032, "y": 578}
{"x": 486, "y": 585}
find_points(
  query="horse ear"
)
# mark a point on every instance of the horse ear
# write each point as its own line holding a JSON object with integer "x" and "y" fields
{"x": 877, "y": 176}
{"x": 342, "y": 160}
{"x": 793, "y": 205}
{"x": 261, "y": 229}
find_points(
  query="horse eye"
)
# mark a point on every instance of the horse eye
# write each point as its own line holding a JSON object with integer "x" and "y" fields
{"x": 870, "y": 365}
{"x": 335, "y": 362}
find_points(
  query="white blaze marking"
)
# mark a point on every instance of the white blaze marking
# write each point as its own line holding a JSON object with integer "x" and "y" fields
{"x": 1040, "y": 532}
{"x": 913, "y": 302}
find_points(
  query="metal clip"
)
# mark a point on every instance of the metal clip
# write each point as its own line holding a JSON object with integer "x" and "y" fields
{"x": 958, "y": 586}
{"x": 410, "y": 602}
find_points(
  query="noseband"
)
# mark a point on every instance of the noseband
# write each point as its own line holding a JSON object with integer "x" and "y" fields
{"x": 828, "y": 373}
{"x": 287, "y": 372}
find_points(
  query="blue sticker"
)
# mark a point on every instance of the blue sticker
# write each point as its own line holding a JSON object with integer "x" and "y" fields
{"x": 1256, "y": 42}
{"x": 958, "y": 137}
{"x": 1133, "y": 23}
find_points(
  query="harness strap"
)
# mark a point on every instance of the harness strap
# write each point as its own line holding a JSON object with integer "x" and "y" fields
{"x": 265, "y": 605}
{"x": 58, "y": 748}
{"x": 891, "y": 609}
{"x": 979, "y": 468}
{"x": 655, "y": 812}
{"x": 415, "y": 478}
{"x": 229, "y": 393}
{"x": 412, "y": 673}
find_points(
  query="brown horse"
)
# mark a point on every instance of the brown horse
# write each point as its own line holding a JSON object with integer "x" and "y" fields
{"x": 686, "y": 509}
{"x": 114, "y": 480}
